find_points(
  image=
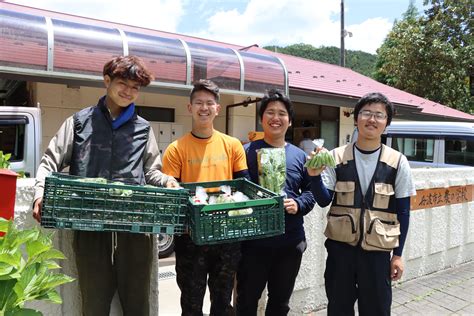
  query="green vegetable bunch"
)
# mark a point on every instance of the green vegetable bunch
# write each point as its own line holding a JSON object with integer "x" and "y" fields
{"x": 112, "y": 191}
{"x": 26, "y": 260}
{"x": 120, "y": 192}
{"x": 240, "y": 212}
{"x": 272, "y": 168}
{"x": 321, "y": 159}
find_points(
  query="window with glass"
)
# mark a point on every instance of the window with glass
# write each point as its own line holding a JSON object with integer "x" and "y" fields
{"x": 12, "y": 137}
{"x": 156, "y": 114}
{"x": 459, "y": 151}
{"x": 415, "y": 149}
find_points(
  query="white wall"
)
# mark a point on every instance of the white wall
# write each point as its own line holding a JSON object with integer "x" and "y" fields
{"x": 438, "y": 238}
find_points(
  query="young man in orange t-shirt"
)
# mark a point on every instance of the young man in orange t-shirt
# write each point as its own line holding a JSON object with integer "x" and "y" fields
{"x": 205, "y": 154}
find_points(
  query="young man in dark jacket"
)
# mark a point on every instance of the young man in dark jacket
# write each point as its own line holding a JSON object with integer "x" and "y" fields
{"x": 111, "y": 141}
{"x": 275, "y": 261}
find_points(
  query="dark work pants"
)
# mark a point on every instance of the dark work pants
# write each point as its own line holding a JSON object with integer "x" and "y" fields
{"x": 194, "y": 264}
{"x": 355, "y": 274}
{"x": 276, "y": 266}
{"x": 99, "y": 278}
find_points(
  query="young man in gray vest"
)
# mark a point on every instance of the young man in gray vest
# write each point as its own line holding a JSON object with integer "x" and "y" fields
{"x": 370, "y": 190}
{"x": 111, "y": 141}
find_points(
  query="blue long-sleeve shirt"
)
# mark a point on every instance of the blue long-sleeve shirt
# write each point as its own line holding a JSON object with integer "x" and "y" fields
{"x": 297, "y": 187}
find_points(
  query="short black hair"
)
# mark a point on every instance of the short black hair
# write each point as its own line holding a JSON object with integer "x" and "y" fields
{"x": 205, "y": 85}
{"x": 371, "y": 98}
{"x": 276, "y": 95}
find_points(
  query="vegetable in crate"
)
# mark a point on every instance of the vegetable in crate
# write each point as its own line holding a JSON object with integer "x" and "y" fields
{"x": 272, "y": 168}
{"x": 322, "y": 158}
{"x": 112, "y": 191}
{"x": 120, "y": 192}
{"x": 92, "y": 180}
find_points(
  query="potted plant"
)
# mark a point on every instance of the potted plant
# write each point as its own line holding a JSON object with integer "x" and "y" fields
{"x": 8, "y": 185}
{"x": 27, "y": 264}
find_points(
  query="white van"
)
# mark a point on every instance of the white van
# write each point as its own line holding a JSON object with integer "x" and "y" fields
{"x": 20, "y": 136}
{"x": 433, "y": 144}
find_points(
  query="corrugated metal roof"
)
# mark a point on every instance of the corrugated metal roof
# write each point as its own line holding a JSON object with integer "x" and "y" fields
{"x": 318, "y": 76}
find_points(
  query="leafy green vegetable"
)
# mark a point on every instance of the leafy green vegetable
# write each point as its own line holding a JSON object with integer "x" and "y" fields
{"x": 272, "y": 168}
{"x": 112, "y": 191}
{"x": 120, "y": 192}
{"x": 92, "y": 180}
{"x": 244, "y": 211}
{"x": 26, "y": 260}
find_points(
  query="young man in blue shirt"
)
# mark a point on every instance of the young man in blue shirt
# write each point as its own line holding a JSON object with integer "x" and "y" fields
{"x": 275, "y": 261}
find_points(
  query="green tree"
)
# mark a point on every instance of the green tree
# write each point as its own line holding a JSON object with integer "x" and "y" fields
{"x": 431, "y": 55}
{"x": 359, "y": 61}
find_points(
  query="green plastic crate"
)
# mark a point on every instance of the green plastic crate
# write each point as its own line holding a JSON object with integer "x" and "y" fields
{"x": 212, "y": 224}
{"x": 71, "y": 204}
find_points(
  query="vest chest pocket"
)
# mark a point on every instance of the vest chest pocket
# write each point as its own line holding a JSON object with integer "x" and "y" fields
{"x": 382, "y": 194}
{"x": 345, "y": 191}
{"x": 382, "y": 235}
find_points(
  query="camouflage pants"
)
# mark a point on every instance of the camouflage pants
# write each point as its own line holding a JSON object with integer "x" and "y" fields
{"x": 194, "y": 264}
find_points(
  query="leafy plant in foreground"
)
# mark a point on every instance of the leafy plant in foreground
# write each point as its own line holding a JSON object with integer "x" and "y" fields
{"x": 27, "y": 258}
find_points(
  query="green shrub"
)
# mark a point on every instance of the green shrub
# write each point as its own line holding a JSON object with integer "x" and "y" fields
{"x": 4, "y": 160}
{"x": 27, "y": 258}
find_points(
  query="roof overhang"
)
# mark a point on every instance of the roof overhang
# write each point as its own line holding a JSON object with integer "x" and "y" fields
{"x": 42, "y": 46}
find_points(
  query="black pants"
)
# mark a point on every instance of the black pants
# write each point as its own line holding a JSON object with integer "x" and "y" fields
{"x": 355, "y": 274}
{"x": 194, "y": 264}
{"x": 129, "y": 273}
{"x": 276, "y": 266}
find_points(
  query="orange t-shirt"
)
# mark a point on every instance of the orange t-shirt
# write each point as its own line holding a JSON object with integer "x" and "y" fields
{"x": 192, "y": 159}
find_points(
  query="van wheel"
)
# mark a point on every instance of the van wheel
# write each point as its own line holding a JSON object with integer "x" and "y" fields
{"x": 166, "y": 245}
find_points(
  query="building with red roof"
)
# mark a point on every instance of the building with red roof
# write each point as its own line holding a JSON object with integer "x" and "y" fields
{"x": 55, "y": 60}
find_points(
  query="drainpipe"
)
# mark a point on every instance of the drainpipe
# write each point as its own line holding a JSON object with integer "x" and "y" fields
{"x": 244, "y": 104}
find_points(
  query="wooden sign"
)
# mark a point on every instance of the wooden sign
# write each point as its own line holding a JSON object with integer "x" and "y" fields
{"x": 442, "y": 196}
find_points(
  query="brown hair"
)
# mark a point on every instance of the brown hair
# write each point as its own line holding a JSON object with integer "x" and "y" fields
{"x": 205, "y": 85}
{"x": 128, "y": 67}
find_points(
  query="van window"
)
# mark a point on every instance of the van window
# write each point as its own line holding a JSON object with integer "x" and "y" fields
{"x": 459, "y": 151}
{"x": 415, "y": 149}
{"x": 12, "y": 138}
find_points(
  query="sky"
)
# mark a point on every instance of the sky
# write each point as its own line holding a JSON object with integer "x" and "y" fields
{"x": 248, "y": 22}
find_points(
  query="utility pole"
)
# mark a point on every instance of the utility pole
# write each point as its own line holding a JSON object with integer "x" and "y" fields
{"x": 343, "y": 55}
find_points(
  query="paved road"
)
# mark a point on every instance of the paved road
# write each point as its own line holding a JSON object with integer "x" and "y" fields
{"x": 446, "y": 292}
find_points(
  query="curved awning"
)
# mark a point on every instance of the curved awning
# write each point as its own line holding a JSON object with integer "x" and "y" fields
{"x": 45, "y": 46}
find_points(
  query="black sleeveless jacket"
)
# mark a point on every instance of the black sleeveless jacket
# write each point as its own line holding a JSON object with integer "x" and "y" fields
{"x": 100, "y": 151}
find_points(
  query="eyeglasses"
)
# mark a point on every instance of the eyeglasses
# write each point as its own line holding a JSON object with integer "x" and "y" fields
{"x": 378, "y": 116}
